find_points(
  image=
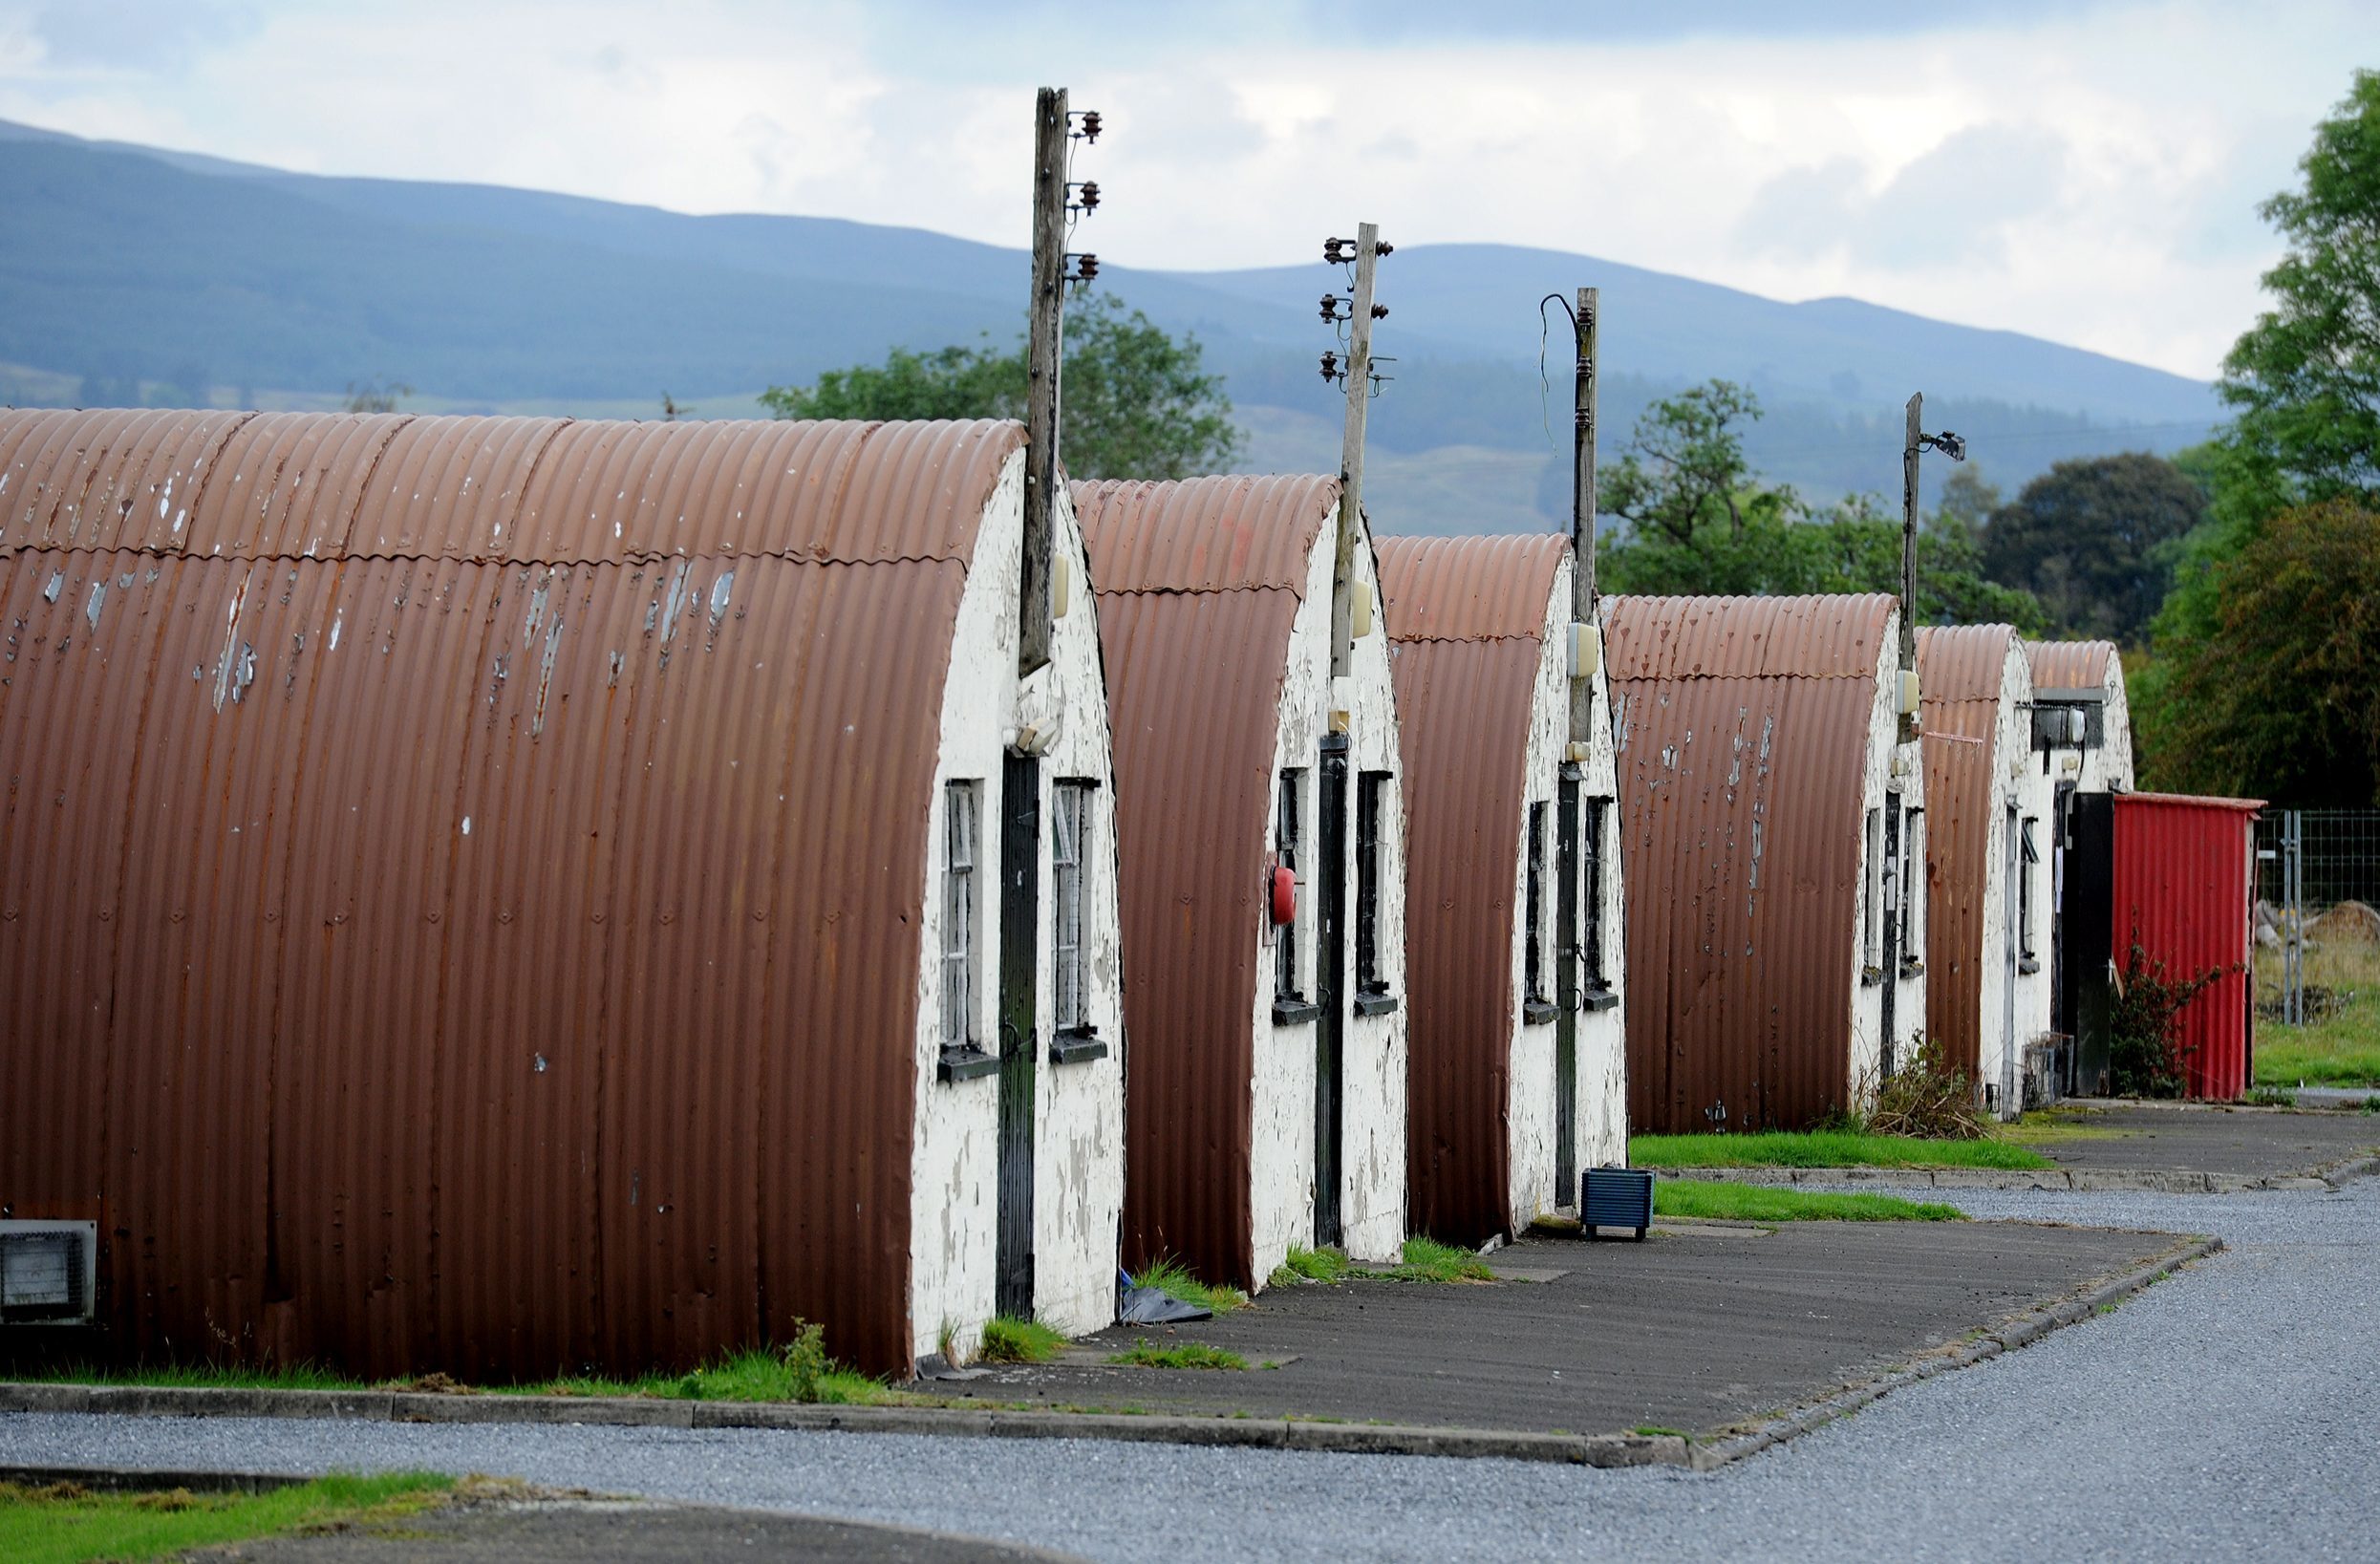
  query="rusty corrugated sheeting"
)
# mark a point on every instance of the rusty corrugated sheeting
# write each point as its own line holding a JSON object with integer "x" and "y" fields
{"x": 2069, "y": 665}
{"x": 1742, "y": 727}
{"x": 1467, "y": 617}
{"x": 1204, "y": 574}
{"x": 2185, "y": 888}
{"x": 430, "y": 895}
{"x": 1960, "y": 674}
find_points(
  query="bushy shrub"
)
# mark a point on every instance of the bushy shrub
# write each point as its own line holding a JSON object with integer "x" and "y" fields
{"x": 1926, "y": 1099}
{"x": 2145, "y": 1056}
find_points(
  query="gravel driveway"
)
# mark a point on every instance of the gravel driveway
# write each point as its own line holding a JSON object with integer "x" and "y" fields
{"x": 2231, "y": 1413}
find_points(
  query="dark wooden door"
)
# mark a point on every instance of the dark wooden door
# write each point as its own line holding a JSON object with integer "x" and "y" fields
{"x": 1566, "y": 988}
{"x": 1021, "y": 894}
{"x": 1330, "y": 991}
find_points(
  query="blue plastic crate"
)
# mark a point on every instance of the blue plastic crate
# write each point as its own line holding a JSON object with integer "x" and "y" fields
{"x": 1615, "y": 1197}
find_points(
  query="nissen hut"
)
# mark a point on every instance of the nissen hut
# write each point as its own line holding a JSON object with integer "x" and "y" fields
{"x": 1770, "y": 816}
{"x": 2082, "y": 737}
{"x": 1988, "y": 886}
{"x": 1260, "y": 817}
{"x": 2086, "y": 725}
{"x": 1519, "y": 1058}
{"x": 506, "y": 895}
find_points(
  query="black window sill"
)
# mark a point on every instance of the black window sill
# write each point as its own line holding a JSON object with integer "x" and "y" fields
{"x": 2028, "y": 966}
{"x": 1079, "y": 1046}
{"x": 1870, "y": 977}
{"x": 1537, "y": 1012}
{"x": 966, "y": 1064}
{"x": 1912, "y": 969}
{"x": 1375, "y": 1004}
{"x": 1295, "y": 1012}
{"x": 1600, "y": 998}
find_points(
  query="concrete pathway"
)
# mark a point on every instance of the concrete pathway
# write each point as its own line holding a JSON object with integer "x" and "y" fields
{"x": 2222, "y": 1415}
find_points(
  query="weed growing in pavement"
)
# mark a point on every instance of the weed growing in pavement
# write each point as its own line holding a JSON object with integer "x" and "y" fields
{"x": 1427, "y": 1259}
{"x": 1009, "y": 1340}
{"x": 1146, "y": 1354}
{"x": 1324, "y": 1265}
{"x": 2270, "y": 1097}
{"x": 1654, "y": 1430}
{"x": 1171, "y": 1275}
{"x": 1928, "y": 1099}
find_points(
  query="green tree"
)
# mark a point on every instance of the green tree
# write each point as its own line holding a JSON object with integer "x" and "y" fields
{"x": 1137, "y": 402}
{"x": 2095, "y": 540}
{"x": 2305, "y": 378}
{"x": 1701, "y": 522}
{"x": 2283, "y": 701}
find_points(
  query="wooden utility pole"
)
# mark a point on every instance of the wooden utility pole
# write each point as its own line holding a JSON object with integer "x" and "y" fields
{"x": 1044, "y": 352}
{"x": 1582, "y": 510}
{"x": 1351, "y": 450}
{"x": 1912, "y": 443}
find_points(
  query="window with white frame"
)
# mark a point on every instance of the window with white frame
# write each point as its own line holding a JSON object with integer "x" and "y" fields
{"x": 962, "y": 834}
{"x": 1371, "y": 794}
{"x": 1873, "y": 932}
{"x": 1592, "y": 832}
{"x": 1285, "y": 853}
{"x": 2024, "y": 889}
{"x": 1070, "y": 841}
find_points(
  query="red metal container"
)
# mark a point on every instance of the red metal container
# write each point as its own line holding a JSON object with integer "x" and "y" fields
{"x": 2185, "y": 888}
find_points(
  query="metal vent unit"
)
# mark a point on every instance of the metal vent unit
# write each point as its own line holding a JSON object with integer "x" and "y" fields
{"x": 2070, "y": 719}
{"x": 47, "y": 1272}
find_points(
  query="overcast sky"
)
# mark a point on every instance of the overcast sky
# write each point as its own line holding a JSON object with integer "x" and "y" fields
{"x": 2086, "y": 173}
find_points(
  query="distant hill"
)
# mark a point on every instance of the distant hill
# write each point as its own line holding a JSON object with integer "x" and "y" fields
{"x": 130, "y": 272}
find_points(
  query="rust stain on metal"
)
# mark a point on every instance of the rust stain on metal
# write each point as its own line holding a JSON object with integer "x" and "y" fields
{"x": 1960, "y": 671}
{"x": 1467, "y": 617}
{"x": 1743, "y": 727}
{"x": 389, "y": 1020}
{"x": 1198, "y": 585}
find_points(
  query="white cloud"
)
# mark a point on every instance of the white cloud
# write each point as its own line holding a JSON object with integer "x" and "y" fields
{"x": 2087, "y": 176}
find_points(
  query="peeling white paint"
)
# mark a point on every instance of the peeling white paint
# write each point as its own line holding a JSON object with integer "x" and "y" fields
{"x": 56, "y": 583}
{"x": 1885, "y": 755}
{"x": 90, "y": 609}
{"x": 1372, "y": 1186}
{"x": 1600, "y": 1130}
{"x": 466, "y": 824}
{"x": 1079, "y": 1108}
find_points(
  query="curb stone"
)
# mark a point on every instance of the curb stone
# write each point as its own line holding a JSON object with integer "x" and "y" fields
{"x": 143, "y": 1480}
{"x": 2023, "y": 1330}
{"x": 1616, "y": 1449}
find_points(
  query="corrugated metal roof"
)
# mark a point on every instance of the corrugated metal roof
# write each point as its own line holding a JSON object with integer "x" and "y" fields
{"x": 1961, "y": 672}
{"x": 1742, "y": 727}
{"x": 1204, "y": 534}
{"x": 546, "y": 491}
{"x": 2185, "y": 888}
{"x": 2070, "y": 665}
{"x": 1467, "y": 617}
{"x": 1200, "y": 582}
{"x": 421, "y": 958}
{"x": 1468, "y": 588}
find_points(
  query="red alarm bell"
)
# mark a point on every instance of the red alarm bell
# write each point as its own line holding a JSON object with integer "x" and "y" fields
{"x": 1282, "y": 886}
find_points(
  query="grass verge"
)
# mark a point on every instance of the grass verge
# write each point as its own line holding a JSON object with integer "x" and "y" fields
{"x": 1760, "y": 1202}
{"x": 65, "y": 1523}
{"x": 1324, "y": 1265}
{"x": 1146, "y": 1354}
{"x": 2341, "y": 1049}
{"x": 1427, "y": 1259}
{"x": 195, "y": 1377}
{"x": 1824, "y": 1149}
{"x": 1007, "y": 1340}
{"x": 1171, "y": 1276}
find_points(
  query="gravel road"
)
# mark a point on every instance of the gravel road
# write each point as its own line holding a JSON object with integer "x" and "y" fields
{"x": 2233, "y": 1412}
